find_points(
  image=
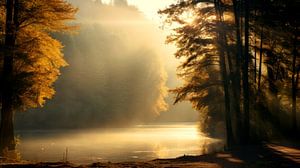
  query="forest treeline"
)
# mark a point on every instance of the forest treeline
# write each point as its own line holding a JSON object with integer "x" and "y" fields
{"x": 30, "y": 57}
{"x": 240, "y": 66}
{"x": 106, "y": 82}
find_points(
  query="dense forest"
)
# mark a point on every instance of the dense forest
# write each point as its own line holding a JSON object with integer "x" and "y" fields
{"x": 240, "y": 66}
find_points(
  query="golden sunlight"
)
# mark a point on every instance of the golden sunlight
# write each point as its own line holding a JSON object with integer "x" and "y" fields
{"x": 149, "y": 83}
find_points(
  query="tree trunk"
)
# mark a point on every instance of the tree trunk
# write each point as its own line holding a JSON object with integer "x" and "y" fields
{"x": 260, "y": 59}
{"x": 237, "y": 79}
{"x": 7, "y": 140}
{"x": 246, "y": 77}
{"x": 255, "y": 60}
{"x": 255, "y": 49}
{"x": 296, "y": 90}
{"x": 221, "y": 41}
{"x": 294, "y": 87}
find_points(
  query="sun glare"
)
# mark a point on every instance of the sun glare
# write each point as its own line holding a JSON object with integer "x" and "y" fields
{"x": 148, "y": 8}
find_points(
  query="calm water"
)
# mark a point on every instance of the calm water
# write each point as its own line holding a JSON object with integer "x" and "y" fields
{"x": 143, "y": 142}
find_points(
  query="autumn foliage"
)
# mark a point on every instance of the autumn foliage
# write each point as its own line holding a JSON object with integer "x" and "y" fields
{"x": 30, "y": 57}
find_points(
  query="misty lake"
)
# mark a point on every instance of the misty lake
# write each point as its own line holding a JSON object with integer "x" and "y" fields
{"x": 140, "y": 143}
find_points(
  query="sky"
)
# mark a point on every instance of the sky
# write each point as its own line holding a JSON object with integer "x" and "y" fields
{"x": 119, "y": 73}
{"x": 148, "y": 7}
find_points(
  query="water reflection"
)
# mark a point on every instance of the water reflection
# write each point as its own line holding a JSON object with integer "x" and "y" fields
{"x": 143, "y": 142}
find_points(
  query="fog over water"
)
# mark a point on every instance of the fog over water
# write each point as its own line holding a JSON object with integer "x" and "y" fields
{"x": 140, "y": 143}
{"x": 118, "y": 75}
{"x": 112, "y": 101}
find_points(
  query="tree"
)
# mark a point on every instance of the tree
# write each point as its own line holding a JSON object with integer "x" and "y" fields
{"x": 294, "y": 24}
{"x": 202, "y": 43}
{"x": 222, "y": 46}
{"x": 6, "y": 128}
{"x": 246, "y": 75}
{"x": 237, "y": 80}
{"x": 268, "y": 104}
{"x": 32, "y": 57}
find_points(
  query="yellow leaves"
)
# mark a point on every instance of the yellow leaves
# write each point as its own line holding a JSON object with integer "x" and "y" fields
{"x": 11, "y": 156}
{"x": 39, "y": 56}
{"x": 47, "y": 15}
{"x": 161, "y": 105}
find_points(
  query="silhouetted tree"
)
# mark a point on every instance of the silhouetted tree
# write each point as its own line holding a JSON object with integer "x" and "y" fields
{"x": 246, "y": 75}
{"x": 242, "y": 29}
{"x": 32, "y": 58}
{"x": 6, "y": 128}
{"x": 203, "y": 46}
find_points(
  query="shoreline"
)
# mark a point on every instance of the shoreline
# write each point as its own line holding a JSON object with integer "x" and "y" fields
{"x": 267, "y": 156}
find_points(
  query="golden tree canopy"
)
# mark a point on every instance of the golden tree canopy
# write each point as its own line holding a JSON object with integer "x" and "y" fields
{"x": 38, "y": 56}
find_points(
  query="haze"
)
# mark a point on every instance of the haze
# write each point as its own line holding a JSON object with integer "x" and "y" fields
{"x": 119, "y": 71}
